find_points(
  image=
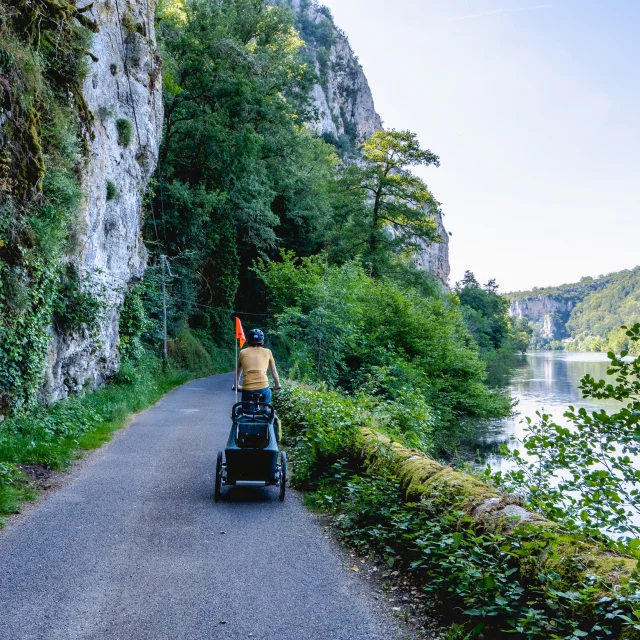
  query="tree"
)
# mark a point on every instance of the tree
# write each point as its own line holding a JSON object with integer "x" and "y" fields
{"x": 491, "y": 286}
{"x": 587, "y": 476}
{"x": 394, "y": 204}
{"x": 239, "y": 173}
{"x": 484, "y": 311}
{"x": 521, "y": 332}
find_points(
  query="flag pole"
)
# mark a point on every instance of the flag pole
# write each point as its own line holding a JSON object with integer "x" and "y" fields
{"x": 235, "y": 372}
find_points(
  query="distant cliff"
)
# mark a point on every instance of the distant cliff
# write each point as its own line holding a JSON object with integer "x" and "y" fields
{"x": 587, "y": 314}
{"x": 345, "y": 113}
{"x": 548, "y": 313}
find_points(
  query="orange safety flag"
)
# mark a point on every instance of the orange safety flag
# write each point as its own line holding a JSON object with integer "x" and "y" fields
{"x": 240, "y": 333}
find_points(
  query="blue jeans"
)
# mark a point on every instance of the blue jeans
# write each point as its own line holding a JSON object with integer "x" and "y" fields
{"x": 265, "y": 395}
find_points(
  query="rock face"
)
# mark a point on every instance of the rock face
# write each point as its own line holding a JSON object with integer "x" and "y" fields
{"x": 344, "y": 106}
{"x": 342, "y": 99}
{"x": 123, "y": 91}
{"x": 550, "y": 313}
{"x": 434, "y": 256}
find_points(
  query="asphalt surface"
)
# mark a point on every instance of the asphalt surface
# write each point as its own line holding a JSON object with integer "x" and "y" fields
{"x": 132, "y": 548}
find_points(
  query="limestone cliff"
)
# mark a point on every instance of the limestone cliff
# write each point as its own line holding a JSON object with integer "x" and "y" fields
{"x": 342, "y": 98}
{"x": 123, "y": 92}
{"x": 548, "y": 312}
{"x": 434, "y": 256}
{"x": 344, "y": 108}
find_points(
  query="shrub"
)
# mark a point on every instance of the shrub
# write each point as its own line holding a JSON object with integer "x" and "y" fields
{"x": 112, "y": 191}
{"x": 125, "y": 131}
{"x": 132, "y": 324}
{"x": 80, "y": 303}
{"x": 528, "y": 582}
{"x": 188, "y": 353}
{"x": 365, "y": 335}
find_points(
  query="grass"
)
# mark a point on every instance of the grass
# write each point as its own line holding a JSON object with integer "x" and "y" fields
{"x": 54, "y": 437}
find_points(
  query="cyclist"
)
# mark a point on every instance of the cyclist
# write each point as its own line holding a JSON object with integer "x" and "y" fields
{"x": 253, "y": 363}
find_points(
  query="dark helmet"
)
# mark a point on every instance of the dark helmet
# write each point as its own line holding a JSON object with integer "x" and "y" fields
{"x": 255, "y": 337}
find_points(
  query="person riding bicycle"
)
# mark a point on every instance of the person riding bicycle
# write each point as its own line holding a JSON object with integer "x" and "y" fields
{"x": 253, "y": 363}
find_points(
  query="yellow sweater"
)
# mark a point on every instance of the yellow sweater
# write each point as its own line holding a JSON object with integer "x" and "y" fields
{"x": 254, "y": 362}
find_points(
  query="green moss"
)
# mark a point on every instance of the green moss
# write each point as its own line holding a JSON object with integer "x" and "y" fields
{"x": 125, "y": 131}
{"x": 130, "y": 25}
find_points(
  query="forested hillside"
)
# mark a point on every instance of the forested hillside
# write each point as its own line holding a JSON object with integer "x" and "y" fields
{"x": 584, "y": 316}
{"x": 277, "y": 197}
{"x": 292, "y": 229}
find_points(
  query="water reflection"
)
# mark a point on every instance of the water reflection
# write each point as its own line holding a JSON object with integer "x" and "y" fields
{"x": 545, "y": 381}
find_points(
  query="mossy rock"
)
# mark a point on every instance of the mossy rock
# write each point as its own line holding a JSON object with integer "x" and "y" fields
{"x": 442, "y": 489}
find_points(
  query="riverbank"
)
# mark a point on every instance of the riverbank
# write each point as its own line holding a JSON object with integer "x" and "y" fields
{"x": 486, "y": 564}
{"x": 542, "y": 380}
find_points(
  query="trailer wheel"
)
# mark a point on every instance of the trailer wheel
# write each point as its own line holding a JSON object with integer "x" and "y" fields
{"x": 218, "y": 489}
{"x": 283, "y": 475}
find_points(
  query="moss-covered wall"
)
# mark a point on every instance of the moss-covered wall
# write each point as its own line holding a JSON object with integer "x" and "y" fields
{"x": 44, "y": 124}
{"x": 421, "y": 478}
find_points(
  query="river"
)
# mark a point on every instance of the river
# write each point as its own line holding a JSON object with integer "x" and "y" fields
{"x": 544, "y": 380}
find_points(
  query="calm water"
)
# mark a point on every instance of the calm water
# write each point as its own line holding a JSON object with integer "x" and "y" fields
{"x": 545, "y": 381}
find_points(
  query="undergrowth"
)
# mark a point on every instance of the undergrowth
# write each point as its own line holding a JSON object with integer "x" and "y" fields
{"x": 54, "y": 437}
{"x": 488, "y": 585}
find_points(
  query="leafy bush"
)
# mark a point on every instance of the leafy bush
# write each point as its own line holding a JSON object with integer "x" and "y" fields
{"x": 320, "y": 422}
{"x": 491, "y": 585}
{"x": 586, "y": 476}
{"x": 473, "y": 576}
{"x": 189, "y": 353}
{"x": 125, "y": 131}
{"x": 132, "y": 325}
{"x": 80, "y": 303}
{"x": 112, "y": 191}
{"x": 339, "y": 325}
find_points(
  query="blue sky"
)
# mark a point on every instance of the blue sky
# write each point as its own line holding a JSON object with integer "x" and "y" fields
{"x": 534, "y": 109}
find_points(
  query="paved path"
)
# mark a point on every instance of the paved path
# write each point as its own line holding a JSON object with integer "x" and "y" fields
{"x": 132, "y": 548}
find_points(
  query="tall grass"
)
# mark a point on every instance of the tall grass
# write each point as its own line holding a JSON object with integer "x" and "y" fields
{"x": 54, "y": 437}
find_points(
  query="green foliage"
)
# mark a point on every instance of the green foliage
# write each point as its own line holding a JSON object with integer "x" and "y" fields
{"x": 498, "y": 335}
{"x": 385, "y": 206}
{"x": 491, "y": 585}
{"x": 131, "y": 26}
{"x": 240, "y": 172}
{"x": 79, "y": 303}
{"x": 599, "y": 307}
{"x": 325, "y": 421}
{"x": 485, "y": 312}
{"x": 474, "y": 577}
{"x": 521, "y": 334}
{"x": 132, "y": 325}
{"x": 189, "y": 353}
{"x": 44, "y": 46}
{"x": 340, "y": 325}
{"x": 586, "y": 476}
{"x": 124, "y": 127}
{"x": 112, "y": 191}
